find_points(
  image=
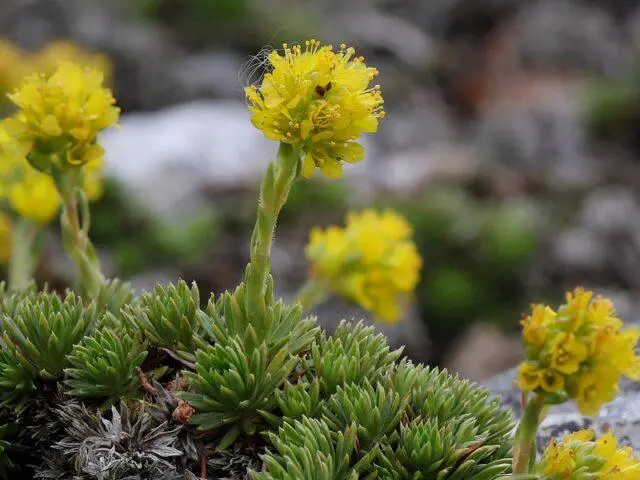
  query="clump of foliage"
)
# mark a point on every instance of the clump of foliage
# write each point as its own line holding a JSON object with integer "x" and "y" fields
{"x": 109, "y": 385}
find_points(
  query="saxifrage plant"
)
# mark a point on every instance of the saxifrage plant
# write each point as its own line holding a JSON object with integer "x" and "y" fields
{"x": 107, "y": 385}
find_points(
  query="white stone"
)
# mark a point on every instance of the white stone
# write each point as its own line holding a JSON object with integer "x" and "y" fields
{"x": 167, "y": 158}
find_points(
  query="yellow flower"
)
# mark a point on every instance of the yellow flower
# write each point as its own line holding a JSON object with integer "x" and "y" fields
{"x": 594, "y": 389}
{"x": 47, "y": 60}
{"x": 551, "y": 381}
{"x": 31, "y": 193}
{"x": 567, "y": 353}
{"x": 620, "y": 462}
{"x": 585, "y": 345}
{"x": 319, "y": 100}
{"x": 529, "y": 377}
{"x": 560, "y": 460}
{"x": 602, "y": 314}
{"x": 579, "y": 436}
{"x": 576, "y": 308}
{"x": 60, "y": 117}
{"x": 371, "y": 261}
{"x": 535, "y": 326}
{"x": 577, "y": 455}
{"x": 35, "y": 197}
{"x": 5, "y": 237}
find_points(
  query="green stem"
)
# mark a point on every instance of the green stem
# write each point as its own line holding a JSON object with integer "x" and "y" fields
{"x": 311, "y": 294}
{"x": 274, "y": 191}
{"x": 525, "y": 438}
{"x": 75, "y": 234}
{"x": 23, "y": 255}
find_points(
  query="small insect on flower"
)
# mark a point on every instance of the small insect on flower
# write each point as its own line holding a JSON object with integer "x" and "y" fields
{"x": 319, "y": 100}
{"x": 59, "y": 118}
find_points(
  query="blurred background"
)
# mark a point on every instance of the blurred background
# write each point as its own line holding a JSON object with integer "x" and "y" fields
{"x": 511, "y": 143}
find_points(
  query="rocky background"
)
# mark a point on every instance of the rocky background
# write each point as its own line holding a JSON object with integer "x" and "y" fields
{"x": 511, "y": 142}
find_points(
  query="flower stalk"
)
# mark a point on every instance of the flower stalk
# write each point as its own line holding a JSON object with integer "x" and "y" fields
{"x": 75, "y": 231}
{"x": 274, "y": 192}
{"x": 23, "y": 255}
{"x": 524, "y": 450}
{"x": 312, "y": 294}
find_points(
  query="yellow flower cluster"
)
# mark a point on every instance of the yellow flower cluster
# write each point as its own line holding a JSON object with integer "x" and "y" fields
{"x": 16, "y": 64}
{"x": 60, "y": 117}
{"x": 31, "y": 193}
{"x": 580, "y": 349}
{"x": 5, "y": 237}
{"x": 372, "y": 261}
{"x": 577, "y": 455}
{"x": 47, "y": 60}
{"x": 319, "y": 100}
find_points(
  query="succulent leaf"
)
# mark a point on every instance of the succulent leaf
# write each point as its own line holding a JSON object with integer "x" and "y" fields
{"x": 354, "y": 353}
{"x": 307, "y": 448}
{"x": 170, "y": 317}
{"x": 104, "y": 365}
{"x": 231, "y": 386}
{"x": 44, "y": 330}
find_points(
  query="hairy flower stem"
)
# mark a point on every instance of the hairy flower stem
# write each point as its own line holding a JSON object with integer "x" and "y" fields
{"x": 23, "y": 256}
{"x": 311, "y": 294}
{"x": 524, "y": 450}
{"x": 274, "y": 191}
{"x": 75, "y": 233}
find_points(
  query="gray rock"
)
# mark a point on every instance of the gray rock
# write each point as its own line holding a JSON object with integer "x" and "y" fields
{"x": 622, "y": 415}
{"x": 542, "y": 138}
{"x": 610, "y": 210}
{"x": 474, "y": 355}
{"x": 568, "y": 35}
{"x": 150, "y": 70}
{"x": 633, "y": 28}
{"x": 377, "y": 31}
{"x": 141, "y": 53}
{"x": 426, "y": 123}
{"x": 31, "y": 23}
{"x": 411, "y": 171}
{"x": 579, "y": 249}
{"x": 211, "y": 74}
{"x": 441, "y": 17}
{"x": 168, "y": 159}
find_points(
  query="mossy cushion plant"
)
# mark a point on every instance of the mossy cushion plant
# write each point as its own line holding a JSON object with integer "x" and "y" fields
{"x": 108, "y": 385}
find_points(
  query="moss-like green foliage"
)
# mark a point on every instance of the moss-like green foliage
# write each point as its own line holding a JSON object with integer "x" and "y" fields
{"x": 10, "y": 299}
{"x": 352, "y": 355}
{"x": 299, "y": 399}
{"x": 281, "y": 326}
{"x": 231, "y": 387}
{"x": 428, "y": 449}
{"x": 36, "y": 340}
{"x": 170, "y": 317}
{"x": 309, "y": 449}
{"x": 114, "y": 296}
{"x": 104, "y": 365}
{"x": 260, "y": 393}
{"x": 375, "y": 411}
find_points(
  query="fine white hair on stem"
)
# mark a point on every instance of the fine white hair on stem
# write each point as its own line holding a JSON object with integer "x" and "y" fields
{"x": 254, "y": 67}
